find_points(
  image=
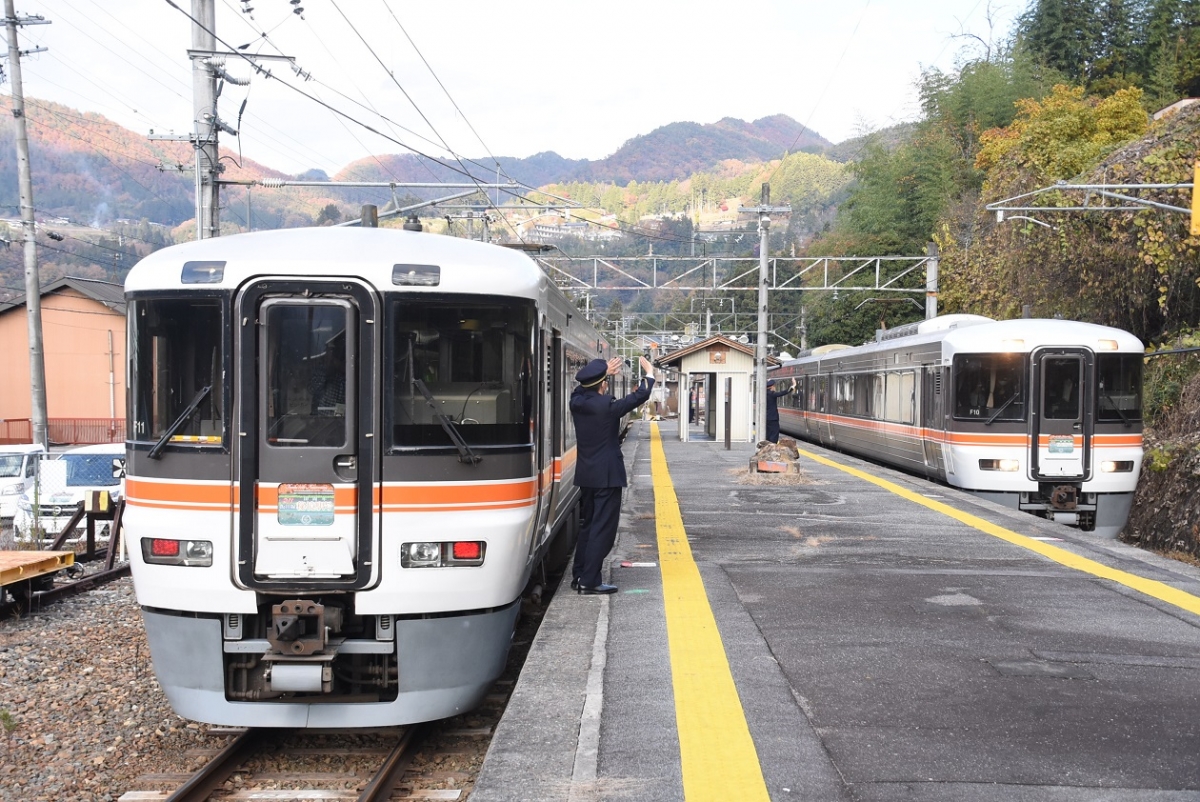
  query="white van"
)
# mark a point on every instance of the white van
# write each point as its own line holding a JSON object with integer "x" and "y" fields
{"x": 64, "y": 482}
{"x": 18, "y": 467}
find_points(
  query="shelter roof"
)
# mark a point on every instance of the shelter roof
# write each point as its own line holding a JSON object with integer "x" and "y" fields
{"x": 674, "y": 358}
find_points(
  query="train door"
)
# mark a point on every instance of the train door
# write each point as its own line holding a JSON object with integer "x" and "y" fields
{"x": 1061, "y": 442}
{"x": 933, "y": 422}
{"x": 545, "y": 438}
{"x": 307, "y": 434}
{"x": 827, "y": 436}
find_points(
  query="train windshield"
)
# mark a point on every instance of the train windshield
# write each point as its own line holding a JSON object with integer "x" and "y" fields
{"x": 1119, "y": 388}
{"x": 464, "y": 364}
{"x": 176, "y": 353}
{"x": 990, "y": 387}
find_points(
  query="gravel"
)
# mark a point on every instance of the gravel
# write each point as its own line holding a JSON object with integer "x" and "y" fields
{"x": 81, "y": 714}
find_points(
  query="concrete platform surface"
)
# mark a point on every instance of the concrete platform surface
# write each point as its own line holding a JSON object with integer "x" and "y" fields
{"x": 881, "y": 649}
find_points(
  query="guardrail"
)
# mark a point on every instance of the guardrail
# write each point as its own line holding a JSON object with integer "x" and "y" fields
{"x": 65, "y": 431}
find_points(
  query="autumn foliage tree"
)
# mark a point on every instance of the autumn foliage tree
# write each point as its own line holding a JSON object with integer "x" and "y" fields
{"x": 1135, "y": 270}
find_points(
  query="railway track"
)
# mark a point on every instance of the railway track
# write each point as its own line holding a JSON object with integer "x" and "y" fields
{"x": 435, "y": 761}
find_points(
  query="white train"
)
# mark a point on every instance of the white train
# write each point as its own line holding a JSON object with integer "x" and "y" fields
{"x": 1039, "y": 415}
{"x": 348, "y": 452}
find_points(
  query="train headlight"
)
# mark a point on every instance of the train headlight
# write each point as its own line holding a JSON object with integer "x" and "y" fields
{"x": 1117, "y": 466}
{"x": 190, "y": 553}
{"x": 420, "y": 555}
{"x": 1006, "y": 465}
{"x": 442, "y": 555}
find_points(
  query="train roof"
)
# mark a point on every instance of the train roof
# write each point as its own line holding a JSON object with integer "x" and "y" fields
{"x": 368, "y": 253}
{"x": 976, "y": 334}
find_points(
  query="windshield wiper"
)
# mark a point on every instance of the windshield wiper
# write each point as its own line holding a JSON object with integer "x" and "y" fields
{"x": 156, "y": 451}
{"x": 1128, "y": 423}
{"x": 465, "y": 454}
{"x": 1000, "y": 409}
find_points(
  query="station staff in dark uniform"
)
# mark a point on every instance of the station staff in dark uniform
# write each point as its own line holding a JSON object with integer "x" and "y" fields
{"x": 773, "y": 397}
{"x": 600, "y": 468}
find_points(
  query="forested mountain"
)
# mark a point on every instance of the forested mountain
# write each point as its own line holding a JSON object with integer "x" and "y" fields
{"x": 669, "y": 153}
{"x": 677, "y": 150}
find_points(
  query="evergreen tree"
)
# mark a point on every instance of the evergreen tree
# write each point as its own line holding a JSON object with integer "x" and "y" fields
{"x": 1064, "y": 35}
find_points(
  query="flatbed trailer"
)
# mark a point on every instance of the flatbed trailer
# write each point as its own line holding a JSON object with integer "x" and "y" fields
{"x": 23, "y": 572}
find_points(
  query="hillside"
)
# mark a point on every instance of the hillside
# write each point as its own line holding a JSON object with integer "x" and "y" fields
{"x": 90, "y": 170}
{"x": 675, "y": 151}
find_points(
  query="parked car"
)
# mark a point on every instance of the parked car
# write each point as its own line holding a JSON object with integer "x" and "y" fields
{"x": 18, "y": 467}
{"x": 62, "y": 484}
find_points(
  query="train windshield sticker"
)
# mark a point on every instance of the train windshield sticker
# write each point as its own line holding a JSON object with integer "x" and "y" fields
{"x": 1058, "y": 445}
{"x": 305, "y": 505}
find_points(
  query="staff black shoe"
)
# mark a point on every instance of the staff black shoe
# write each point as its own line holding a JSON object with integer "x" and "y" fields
{"x": 598, "y": 589}
{"x": 575, "y": 583}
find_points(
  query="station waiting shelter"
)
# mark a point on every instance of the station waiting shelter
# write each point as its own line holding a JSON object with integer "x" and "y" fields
{"x": 716, "y": 385}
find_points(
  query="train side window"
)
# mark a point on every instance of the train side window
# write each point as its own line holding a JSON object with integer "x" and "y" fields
{"x": 176, "y": 350}
{"x": 990, "y": 387}
{"x": 1119, "y": 387}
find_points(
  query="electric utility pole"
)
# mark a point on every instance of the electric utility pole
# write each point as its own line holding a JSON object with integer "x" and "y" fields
{"x": 33, "y": 293}
{"x": 204, "y": 104}
{"x": 763, "y": 210}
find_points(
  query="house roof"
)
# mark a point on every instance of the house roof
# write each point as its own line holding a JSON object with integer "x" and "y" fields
{"x": 103, "y": 292}
{"x": 676, "y": 357}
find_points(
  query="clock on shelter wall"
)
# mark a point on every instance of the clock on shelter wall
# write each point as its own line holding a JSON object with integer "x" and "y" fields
{"x": 716, "y": 356}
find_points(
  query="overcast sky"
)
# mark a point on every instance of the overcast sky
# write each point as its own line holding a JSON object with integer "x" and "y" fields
{"x": 577, "y": 78}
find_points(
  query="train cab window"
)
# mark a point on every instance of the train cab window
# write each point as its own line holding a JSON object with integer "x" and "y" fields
{"x": 463, "y": 362}
{"x": 1119, "y": 388}
{"x": 1061, "y": 389}
{"x": 990, "y": 387}
{"x": 175, "y": 362}
{"x": 306, "y": 363}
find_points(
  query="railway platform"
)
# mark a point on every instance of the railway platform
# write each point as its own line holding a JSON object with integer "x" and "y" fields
{"x": 852, "y": 633}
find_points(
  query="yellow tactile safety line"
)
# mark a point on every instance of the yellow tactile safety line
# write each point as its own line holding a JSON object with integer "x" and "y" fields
{"x": 1150, "y": 587}
{"x": 719, "y": 760}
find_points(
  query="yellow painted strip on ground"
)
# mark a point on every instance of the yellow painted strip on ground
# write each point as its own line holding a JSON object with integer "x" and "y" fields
{"x": 1150, "y": 587}
{"x": 719, "y": 760}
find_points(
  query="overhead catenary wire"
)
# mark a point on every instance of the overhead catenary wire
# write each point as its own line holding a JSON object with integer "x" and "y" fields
{"x": 425, "y": 61}
{"x": 408, "y": 97}
{"x": 833, "y": 74}
{"x": 318, "y": 101}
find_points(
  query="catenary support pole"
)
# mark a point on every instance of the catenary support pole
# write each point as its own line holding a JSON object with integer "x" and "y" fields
{"x": 931, "y": 282}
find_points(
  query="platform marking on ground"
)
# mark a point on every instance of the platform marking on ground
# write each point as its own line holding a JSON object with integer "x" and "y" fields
{"x": 1150, "y": 587}
{"x": 718, "y": 757}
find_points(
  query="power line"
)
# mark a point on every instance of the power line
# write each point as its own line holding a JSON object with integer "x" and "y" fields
{"x": 833, "y": 74}
{"x": 443, "y": 86}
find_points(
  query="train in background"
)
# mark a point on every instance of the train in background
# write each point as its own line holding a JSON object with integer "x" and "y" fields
{"x": 349, "y": 451}
{"x": 1043, "y": 416}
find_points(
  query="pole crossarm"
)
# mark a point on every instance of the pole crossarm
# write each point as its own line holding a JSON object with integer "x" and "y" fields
{"x": 734, "y": 274}
{"x": 1122, "y": 193}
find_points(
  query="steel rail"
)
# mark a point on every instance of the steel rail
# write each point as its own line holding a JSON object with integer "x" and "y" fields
{"x": 214, "y": 773}
{"x": 393, "y": 768}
